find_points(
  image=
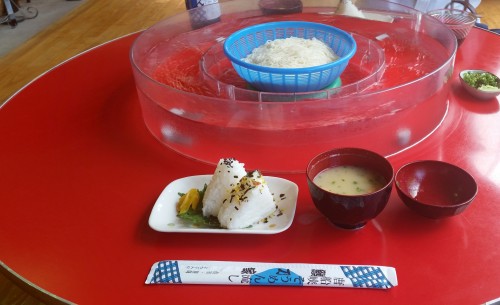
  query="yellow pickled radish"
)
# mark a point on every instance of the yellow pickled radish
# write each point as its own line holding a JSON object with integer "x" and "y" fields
{"x": 190, "y": 199}
{"x": 196, "y": 199}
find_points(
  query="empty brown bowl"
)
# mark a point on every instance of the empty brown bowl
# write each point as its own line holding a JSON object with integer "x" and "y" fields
{"x": 435, "y": 189}
{"x": 350, "y": 186}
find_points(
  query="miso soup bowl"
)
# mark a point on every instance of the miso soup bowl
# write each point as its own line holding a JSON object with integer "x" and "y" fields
{"x": 350, "y": 211}
{"x": 435, "y": 189}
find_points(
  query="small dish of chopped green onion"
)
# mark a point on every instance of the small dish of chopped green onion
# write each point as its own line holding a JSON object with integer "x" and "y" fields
{"x": 481, "y": 84}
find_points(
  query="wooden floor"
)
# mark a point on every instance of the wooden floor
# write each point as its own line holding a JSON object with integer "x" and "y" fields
{"x": 489, "y": 10}
{"x": 93, "y": 23}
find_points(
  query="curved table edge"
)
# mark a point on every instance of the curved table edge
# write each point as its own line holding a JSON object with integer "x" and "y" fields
{"x": 12, "y": 276}
{"x": 30, "y": 288}
{"x": 62, "y": 63}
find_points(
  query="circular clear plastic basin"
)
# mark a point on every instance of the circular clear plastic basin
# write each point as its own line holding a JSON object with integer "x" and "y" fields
{"x": 393, "y": 95}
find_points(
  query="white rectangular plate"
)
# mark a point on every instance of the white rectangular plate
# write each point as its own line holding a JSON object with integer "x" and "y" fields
{"x": 164, "y": 218}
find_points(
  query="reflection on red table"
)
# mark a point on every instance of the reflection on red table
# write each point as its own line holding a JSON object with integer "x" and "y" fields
{"x": 80, "y": 174}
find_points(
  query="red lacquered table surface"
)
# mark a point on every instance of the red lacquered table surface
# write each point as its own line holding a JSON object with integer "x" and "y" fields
{"x": 80, "y": 174}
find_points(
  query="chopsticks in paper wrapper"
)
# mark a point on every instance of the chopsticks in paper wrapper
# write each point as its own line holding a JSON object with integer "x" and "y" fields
{"x": 271, "y": 274}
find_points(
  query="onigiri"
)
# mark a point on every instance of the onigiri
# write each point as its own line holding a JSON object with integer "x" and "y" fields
{"x": 247, "y": 203}
{"x": 227, "y": 174}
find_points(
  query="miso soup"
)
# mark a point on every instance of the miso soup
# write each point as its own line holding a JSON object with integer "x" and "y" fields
{"x": 349, "y": 180}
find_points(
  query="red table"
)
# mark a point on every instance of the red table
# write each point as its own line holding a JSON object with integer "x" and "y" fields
{"x": 80, "y": 174}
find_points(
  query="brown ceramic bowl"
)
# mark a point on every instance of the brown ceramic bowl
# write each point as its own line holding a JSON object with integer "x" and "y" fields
{"x": 435, "y": 189}
{"x": 350, "y": 211}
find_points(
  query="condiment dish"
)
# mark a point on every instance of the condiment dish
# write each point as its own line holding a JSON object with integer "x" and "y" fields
{"x": 350, "y": 210}
{"x": 435, "y": 189}
{"x": 479, "y": 93}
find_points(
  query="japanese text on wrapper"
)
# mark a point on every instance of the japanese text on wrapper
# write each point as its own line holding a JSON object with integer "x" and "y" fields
{"x": 318, "y": 278}
{"x": 201, "y": 270}
{"x": 284, "y": 276}
{"x": 276, "y": 276}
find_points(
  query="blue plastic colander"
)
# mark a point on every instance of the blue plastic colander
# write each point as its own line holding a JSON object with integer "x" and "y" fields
{"x": 241, "y": 43}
